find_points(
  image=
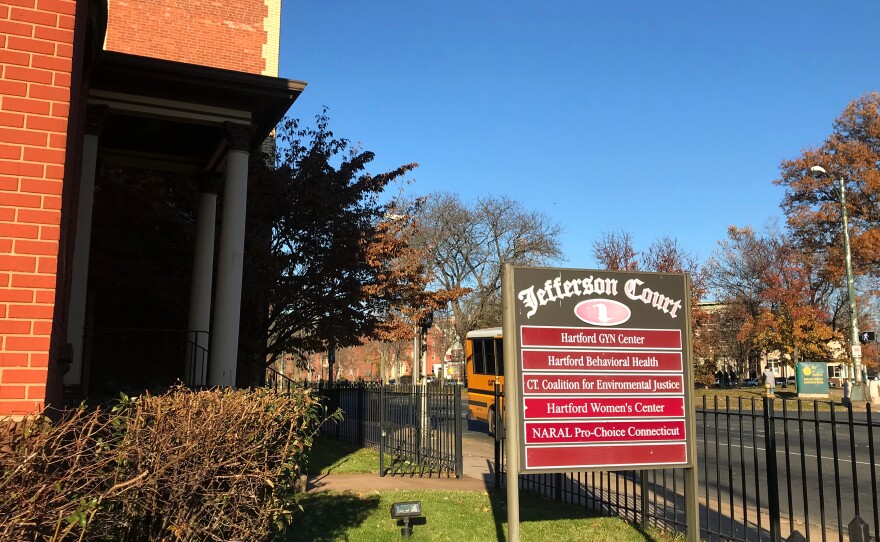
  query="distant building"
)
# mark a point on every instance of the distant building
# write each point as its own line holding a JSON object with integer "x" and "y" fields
{"x": 724, "y": 354}
{"x": 367, "y": 361}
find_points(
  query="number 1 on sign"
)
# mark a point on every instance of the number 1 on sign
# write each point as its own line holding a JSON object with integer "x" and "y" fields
{"x": 602, "y": 309}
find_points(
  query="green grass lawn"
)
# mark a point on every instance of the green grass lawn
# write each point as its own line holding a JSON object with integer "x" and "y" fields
{"x": 788, "y": 395}
{"x": 334, "y": 456}
{"x": 459, "y": 516}
{"x": 454, "y": 516}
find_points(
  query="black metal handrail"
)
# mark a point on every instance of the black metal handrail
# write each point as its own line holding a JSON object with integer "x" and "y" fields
{"x": 196, "y": 366}
{"x": 263, "y": 374}
{"x": 153, "y": 358}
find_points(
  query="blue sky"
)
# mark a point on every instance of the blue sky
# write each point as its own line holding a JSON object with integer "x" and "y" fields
{"x": 657, "y": 118}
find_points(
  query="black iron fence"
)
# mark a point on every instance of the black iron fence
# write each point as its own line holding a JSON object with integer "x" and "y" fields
{"x": 417, "y": 429}
{"x": 133, "y": 360}
{"x": 767, "y": 468}
{"x": 421, "y": 430}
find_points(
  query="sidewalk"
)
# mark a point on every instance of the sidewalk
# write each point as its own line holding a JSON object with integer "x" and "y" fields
{"x": 374, "y": 482}
{"x": 478, "y": 476}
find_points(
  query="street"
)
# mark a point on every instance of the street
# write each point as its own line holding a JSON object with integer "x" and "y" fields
{"x": 732, "y": 449}
{"x": 813, "y": 457}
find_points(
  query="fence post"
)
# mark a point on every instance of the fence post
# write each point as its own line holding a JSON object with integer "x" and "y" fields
{"x": 335, "y": 394}
{"x": 852, "y": 451}
{"x": 382, "y": 429}
{"x": 772, "y": 475}
{"x": 459, "y": 453}
{"x": 859, "y": 531}
{"x": 557, "y": 487}
{"x": 643, "y": 487}
{"x": 872, "y": 457}
{"x": 415, "y": 397}
{"x": 361, "y": 413}
{"x": 497, "y": 435}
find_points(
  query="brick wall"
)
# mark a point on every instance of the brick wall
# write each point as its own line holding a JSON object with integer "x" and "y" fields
{"x": 230, "y": 34}
{"x": 272, "y": 25}
{"x": 36, "y": 46}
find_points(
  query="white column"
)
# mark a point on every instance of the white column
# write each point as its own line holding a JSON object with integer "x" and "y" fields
{"x": 76, "y": 312}
{"x": 202, "y": 280}
{"x": 227, "y": 308}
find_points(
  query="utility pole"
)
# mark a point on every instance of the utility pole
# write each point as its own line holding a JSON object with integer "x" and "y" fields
{"x": 857, "y": 390}
{"x": 417, "y": 355}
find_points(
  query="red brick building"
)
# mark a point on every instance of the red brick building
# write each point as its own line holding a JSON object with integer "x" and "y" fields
{"x": 378, "y": 360}
{"x": 126, "y": 98}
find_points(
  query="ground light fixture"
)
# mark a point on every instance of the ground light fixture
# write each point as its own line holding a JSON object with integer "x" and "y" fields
{"x": 405, "y": 511}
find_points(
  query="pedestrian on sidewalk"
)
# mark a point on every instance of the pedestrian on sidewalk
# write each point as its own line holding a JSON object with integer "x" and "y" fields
{"x": 770, "y": 380}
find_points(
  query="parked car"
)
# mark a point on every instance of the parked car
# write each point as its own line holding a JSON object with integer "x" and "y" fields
{"x": 751, "y": 382}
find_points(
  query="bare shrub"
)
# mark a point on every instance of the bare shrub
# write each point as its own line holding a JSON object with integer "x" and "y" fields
{"x": 208, "y": 465}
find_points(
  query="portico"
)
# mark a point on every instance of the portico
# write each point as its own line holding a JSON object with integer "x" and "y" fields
{"x": 195, "y": 128}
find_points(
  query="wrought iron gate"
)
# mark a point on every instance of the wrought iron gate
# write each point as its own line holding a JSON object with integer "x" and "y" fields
{"x": 421, "y": 430}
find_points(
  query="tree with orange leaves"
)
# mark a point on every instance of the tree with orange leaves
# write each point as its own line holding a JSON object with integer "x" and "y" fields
{"x": 790, "y": 320}
{"x": 812, "y": 201}
{"x": 812, "y": 205}
{"x": 772, "y": 297}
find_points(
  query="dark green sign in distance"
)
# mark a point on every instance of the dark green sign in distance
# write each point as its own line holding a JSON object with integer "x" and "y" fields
{"x": 812, "y": 379}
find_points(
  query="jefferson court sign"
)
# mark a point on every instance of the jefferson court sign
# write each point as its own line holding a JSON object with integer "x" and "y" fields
{"x": 600, "y": 371}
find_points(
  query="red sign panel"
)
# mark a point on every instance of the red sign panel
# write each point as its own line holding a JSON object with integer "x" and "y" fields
{"x": 605, "y": 431}
{"x": 600, "y": 360}
{"x": 605, "y": 455}
{"x": 601, "y": 384}
{"x": 587, "y": 337}
{"x": 603, "y": 407}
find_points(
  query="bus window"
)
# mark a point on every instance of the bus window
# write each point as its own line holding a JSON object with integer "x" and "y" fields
{"x": 490, "y": 357}
{"x": 499, "y": 356}
{"x": 479, "y": 356}
{"x": 476, "y": 357}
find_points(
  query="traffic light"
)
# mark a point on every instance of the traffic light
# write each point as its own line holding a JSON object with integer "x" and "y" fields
{"x": 867, "y": 337}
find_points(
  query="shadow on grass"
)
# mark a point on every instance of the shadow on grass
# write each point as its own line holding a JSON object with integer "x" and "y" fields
{"x": 534, "y": 508}
{"x": 327, "y": 452}
{"x": 329, "y": 516}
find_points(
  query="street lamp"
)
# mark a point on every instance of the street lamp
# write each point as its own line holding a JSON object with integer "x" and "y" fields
{"x": 856, "y": 392}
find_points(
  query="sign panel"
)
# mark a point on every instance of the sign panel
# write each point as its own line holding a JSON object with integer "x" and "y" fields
{"x": 605, "y": 431}
{"x": 599, "y": 360}
{"x": 602, "y": 407}
{"x": 812, "y": 379}
{"x": 601, "y": 369}
{"x": 607, "y": 338}
{"x": 621, "y": 456}
{"x": 591, "y": 384}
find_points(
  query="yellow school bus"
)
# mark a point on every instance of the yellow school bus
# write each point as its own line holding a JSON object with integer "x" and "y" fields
{"x": 484, "y": 353}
